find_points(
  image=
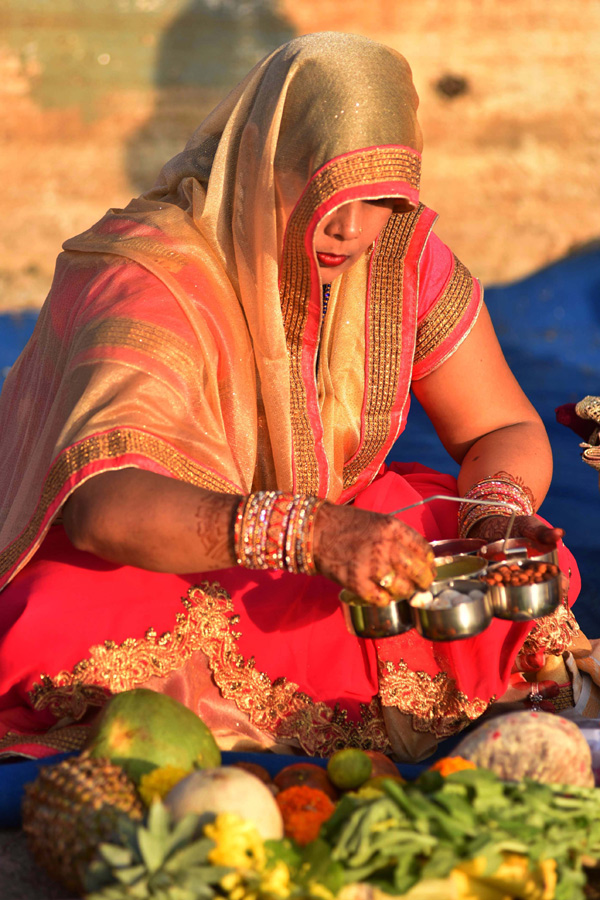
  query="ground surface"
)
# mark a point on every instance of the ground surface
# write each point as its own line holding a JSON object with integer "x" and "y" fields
{"x": 95, "y": 97}
{"x": 20, "y": 878}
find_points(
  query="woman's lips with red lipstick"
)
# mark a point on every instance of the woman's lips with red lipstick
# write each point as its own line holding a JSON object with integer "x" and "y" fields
{"x": 330, "y": 260}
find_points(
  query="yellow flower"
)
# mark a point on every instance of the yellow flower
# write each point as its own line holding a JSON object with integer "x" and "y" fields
{"x": 514, "y": 877}
{"x": 276, "y": 881}
{"x": 319, "y": 890}
{"x": 237, "y": 843}
{"x": 159, "y": 782}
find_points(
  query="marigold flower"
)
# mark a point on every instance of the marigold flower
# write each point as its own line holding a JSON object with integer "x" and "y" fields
{"x": 449, "y": 764}
{"x": 159, "y": 782}
{"x": 237, "y": 843}
{"x": 304, "y": 809}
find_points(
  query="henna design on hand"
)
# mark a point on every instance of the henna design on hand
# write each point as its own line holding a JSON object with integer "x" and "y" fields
{"x": 214, "y": 527}
{"x": 358, "y": 548}
{"x": 493, "y": 528}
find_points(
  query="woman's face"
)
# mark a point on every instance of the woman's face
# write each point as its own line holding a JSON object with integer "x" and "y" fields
{"x": 345, "y": 234}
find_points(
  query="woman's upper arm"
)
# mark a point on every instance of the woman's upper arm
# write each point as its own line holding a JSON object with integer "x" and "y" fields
{"x": 473, "y": 392}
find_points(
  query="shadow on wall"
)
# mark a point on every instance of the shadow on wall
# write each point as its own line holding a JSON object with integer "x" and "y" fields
{"x": 204, "y": 53}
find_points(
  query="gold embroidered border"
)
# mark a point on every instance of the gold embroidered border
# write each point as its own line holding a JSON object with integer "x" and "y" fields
{"x": 436, "y": 706}
{"x": 106, "y": 447}
{"x": 552, "y": 634}
{"x": 385, "y": 339}
{"x": 145, "y": 338}
{"x": 63, "y": 740}
{"x": 447, "y": 312}
{"x": 370, "y": 167}
{"x": 276, "y": 707}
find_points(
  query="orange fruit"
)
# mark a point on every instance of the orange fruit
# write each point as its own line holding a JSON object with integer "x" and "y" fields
{"x": 305, "y": 773}
{"x": 382, "y": 764}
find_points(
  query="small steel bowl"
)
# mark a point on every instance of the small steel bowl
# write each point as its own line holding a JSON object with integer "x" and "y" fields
{"x": 465, "y": 620}
{"x": 455, "y": 568}
{"x": 456, "y": 546}
{"x": 524, "y": 602}
{"x": 518, "y": 548}
{"x": 368, "y": 621}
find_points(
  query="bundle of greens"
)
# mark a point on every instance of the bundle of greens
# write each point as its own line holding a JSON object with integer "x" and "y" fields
{"x": 435, "y": 826}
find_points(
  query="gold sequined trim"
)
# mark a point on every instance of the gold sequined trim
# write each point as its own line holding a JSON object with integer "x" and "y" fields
{"x": 175, "y": 354}
{"x": 370, "y": 167}
{"x": 63, "y": 740}
{"x": 552, "y": 634}
{"x": 434, "y": 704}
{"x": 106, "y": 447}
{"x": 565, "y": 698}
{"x": 447, "y": 312}
{"x": 385, "y": 339}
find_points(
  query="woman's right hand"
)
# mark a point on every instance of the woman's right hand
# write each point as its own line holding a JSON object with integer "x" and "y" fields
{"x": 372, "y": 555}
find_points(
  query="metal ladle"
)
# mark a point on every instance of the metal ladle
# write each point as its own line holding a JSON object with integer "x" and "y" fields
{"x": 511, "y": 520}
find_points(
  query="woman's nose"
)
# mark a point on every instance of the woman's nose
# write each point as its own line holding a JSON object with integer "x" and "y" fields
{"x": 344, "y": 223}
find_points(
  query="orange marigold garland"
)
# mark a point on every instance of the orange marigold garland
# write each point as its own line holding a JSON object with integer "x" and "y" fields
{"x": 449, "y": 764}
{"x": 304, "y": 809}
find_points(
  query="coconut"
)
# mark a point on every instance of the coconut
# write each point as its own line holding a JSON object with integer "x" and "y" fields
{"x": 207, "y": 792}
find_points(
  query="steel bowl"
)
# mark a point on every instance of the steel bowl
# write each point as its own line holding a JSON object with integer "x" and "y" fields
{"x": 468, "y": 618}
{"x": 518, "y": 548}
{"x": 368, "y": 621}
{"x": 455, "y": 568}
{"x": 456, "y": 546}
{"x": 524, "y": 602}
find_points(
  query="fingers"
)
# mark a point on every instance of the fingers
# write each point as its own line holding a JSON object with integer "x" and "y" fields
{"x": 374, "y": 556}
{"x": 530, "y": 662}
{"x": 530, "y": 527}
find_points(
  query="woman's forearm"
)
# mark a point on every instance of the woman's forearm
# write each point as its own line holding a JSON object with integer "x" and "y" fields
{"x": 139, "y": 518}
{"x": 522, "y": 450}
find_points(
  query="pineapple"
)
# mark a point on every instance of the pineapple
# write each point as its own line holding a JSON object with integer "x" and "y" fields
{"x": 70, "y": 809}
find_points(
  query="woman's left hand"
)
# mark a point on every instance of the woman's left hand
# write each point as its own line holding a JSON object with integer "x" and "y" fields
{"x": 494, "y": 529}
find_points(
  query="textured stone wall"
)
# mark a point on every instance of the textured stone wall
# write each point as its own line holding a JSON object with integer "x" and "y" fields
{"x": 96, "y": 94}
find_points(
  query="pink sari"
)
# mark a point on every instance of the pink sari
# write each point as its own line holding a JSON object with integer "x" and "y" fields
{"x": 181, "y": 335}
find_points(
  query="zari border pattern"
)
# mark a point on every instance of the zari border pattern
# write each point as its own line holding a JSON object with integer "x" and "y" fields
{"x": 433, "y": 702}
{"x": 385, "y": 339}
{"x": 276, "y": 707}
{"x": 145, "y": 338}
{"x": 552, "y": 634}
{"x": 369, "y": 167}
{"x": 61, "y": 740}
{"x": 445, "y": 315}
{"x": 105, "y": 447}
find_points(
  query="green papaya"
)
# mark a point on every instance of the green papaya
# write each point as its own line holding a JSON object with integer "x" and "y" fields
{"x": 140, "y": 730}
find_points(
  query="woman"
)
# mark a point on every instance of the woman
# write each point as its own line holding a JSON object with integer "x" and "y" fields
{"x": 204, "y": 412}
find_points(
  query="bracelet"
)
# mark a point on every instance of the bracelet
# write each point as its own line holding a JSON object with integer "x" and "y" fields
{"x": 500, "y": 489}
{"x": 275, "y": 530}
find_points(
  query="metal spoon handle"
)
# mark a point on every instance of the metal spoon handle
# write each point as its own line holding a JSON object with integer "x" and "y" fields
{"x": 514, "y": 509}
